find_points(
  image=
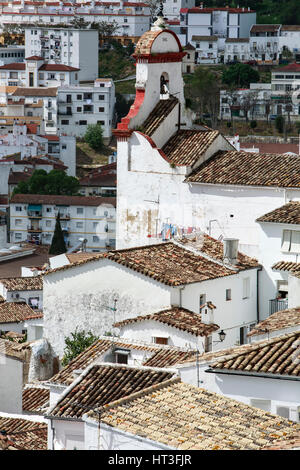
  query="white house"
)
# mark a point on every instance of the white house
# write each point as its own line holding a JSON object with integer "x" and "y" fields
{"x": 24, "y": 289}
{"x": 206, "y": 49}
{"x": 279, "y": 323}
{"x": 97, "y": 386}
{"x": 79, "y": 106}
{"x": 179, "y": 416}
{"x": 237, "y": 50}
{"x": 10, "y": 54}
{"x": 13, "y": 316}
{"x": 33, "y": 217}
{"x": 252, "y": 103}
{"x": 265, "y": 376}
{"x": 175, "y": 326}
{"x": 76, "y": 48}
{"x": 264, "y": 43}
{"x": 148, "y": 279}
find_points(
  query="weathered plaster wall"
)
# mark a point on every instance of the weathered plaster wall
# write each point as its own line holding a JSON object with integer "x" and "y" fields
{"x": 82, "y": 297}
{"x": 11, "y": 384}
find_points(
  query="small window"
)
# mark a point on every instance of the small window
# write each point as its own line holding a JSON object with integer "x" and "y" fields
{"x": 160, "y": 340}
{"x": 246, "y": 288}
{"x": 18, "y": 222}
{"x": 202, "y": 301}
{"x": 228, "y": 294}
{"x": 101, "y": 110}
{"x": 65, "y": 122}
{"x": 101, "y": 97}
{"x": 79, "y": 224}
{"x": 82, "y": 123}
{"x": 208, "y": 343}
{"x": 79, "y": 210}
{"x": 18, "y": 236}
{"x": 18, "y": 209}
{"x": 79, "y": 97}
{"x": 121, "y": 358}
{"x": 48, "y": 223}
{"x": 95, "y": 239}
{"x": 49, "y": 209}
{"x": 79, "y": 109}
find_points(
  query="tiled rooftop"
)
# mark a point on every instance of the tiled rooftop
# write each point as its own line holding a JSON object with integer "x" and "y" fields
{"x": 144, "y": 44}
{"x": 159, "y": 357}
{"x": 287, "y": 214}
{"x": 23, "y": 283}
{"x": 14, "y": 350}
{"x": 274, "y": 356}
{"x": 22, "y": 434}
{"x": 176, "y": 317}
{"x": 35, "y": 399}
{"x": 265, "y": 28}
{"x": 286, "y": 266}
{"x": 14, "y": 312}
{"x": 277, "y": 321}
{"x": 80, "y": 256}
{"x": 203, "y": 243}
{"x": 158, "y": 115}
{"x": 186, "y": 417}
{"x": 102, "y": 384}
{"x": 62, "y": 200}
{"x": 22, "y": 91}
{"x": 186, "y": 147}
{"x": 249, "y": 169}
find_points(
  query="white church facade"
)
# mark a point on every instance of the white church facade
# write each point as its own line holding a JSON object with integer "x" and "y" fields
{"x": 175, "y": 177}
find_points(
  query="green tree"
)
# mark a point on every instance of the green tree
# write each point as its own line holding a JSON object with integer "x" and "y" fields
{"x": 58, "y": 245}
{"x": 76, "y": 343}
{"x": 79, "y": 23}
{"x": 94, "y": 136}
{"x": 239, "y": 75}
{"x": 55, "y": 182}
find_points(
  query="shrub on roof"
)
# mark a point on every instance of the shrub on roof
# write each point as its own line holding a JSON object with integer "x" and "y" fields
{"x": 76, "y": 343}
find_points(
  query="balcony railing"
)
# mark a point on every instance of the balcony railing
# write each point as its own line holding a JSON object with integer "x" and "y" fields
{"x": 34, "y": 214}
{"x": 275, "y": 305}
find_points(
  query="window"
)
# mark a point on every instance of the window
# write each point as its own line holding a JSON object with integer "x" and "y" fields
{"x": 18, "y": 222}
{"x": 243, "y": 335}
{"x": 202, "y": 301}
{"x": 291, "y": 241}
{"x": 95, "y": 239}
{"x": 49, "y": 209}
{"x": 102, "y": 123}
{"x": 159, "y": 340}
{"x": 41, "y": 76}
{"x": 121, "y": 358}
{"x": 79, "y": 109}
{"x": 18, "y": 236}
{"x": 18, "y": 209}
{"x": 101, "y": 110}
{"x": 64, "y": 122}
{"x": 228, "y": 294}
{"x": 79, "y": 97}
{"x": 246, "y": 288}
{"x": 208, "y": 343}
{"x": 51, "y": 76}
{"x": 82, "y": 123}
{"x": 79, "y": 224}
{"x": 101, "y": 97}
{"x": 79, "y": 210}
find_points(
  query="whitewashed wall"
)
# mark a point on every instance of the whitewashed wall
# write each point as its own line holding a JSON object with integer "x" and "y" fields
{"x": 68, "y": 435}
{"x": 81, "y": 297}
{"x": 11, "y": 384}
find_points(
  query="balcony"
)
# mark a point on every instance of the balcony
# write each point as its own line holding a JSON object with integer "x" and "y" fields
{"x": 34, "y": 214}
{"x": 275, "y": 305}
{"x": 65, "y": 113}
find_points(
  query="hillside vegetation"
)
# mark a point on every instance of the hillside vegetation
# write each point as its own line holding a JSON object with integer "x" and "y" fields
{"x": 268, "y": 11}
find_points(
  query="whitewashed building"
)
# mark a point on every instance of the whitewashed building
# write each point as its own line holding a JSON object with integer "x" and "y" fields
{"x": 133, "y": 18}
{"x": 33, "y": 217}
{"x": 237, "y": 50}
{"x": 76, "y": 48}
{"x": 79, "y": 106}
{"x": 10, "y": 54}
{"x": 23, "y": 289}
{"x": 149, "y": 279}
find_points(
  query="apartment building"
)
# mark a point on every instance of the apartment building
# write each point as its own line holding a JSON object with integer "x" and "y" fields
{"x": 76, "y": 48}
{"x": 33, "y": 217}
{"x": 35, "y": 72}
{"x": 133, "y": 18}
{"x": 101, "y": 181}
{"x": 237, "y": 50}
{"x": 79, "y": 106}
{"x": 271, "y": 43}
{"x": 11, "y": 54}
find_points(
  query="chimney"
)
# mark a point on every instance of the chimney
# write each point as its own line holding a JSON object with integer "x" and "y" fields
{"x": 207, "y": 313}
{"x": 230, "y": 250}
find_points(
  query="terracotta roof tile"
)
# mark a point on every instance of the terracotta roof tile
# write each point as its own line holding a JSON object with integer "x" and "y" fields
{"x": 35, "y": 399}
{"x": 16, "y": 176}
{"x": 23, "y": 283}
{"x": 144, "y": 44}
{"x": 250, "y": 169}
{"x": 265, "y": 28}
{"x": 13, "y": 66}
{"x": 66, "y": 200}
{"x": 274, "y": 356}
{"x": 14, "y": 350}
{"x": 288, "y": 68}
{"x": 35, "y": 92}
{"x": 101, "y": 384}
{"x": 157, "y": 356}
{"x": 158, "y": 115}
{"x": 287, "y": 214}
{"x": 14, "y": 312}
{"x": 22, "y": 434}
{"x": 277, "y": 321}
{"x": 168, "y": 263}
{"x": 286, "y": 266}
{"x": 58, "y": 68}
{"x": 186, "y": 147}
{"x": 204, "y": 38}
{"x": 176, "y": 317}
{"x": 194, "y": 418}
